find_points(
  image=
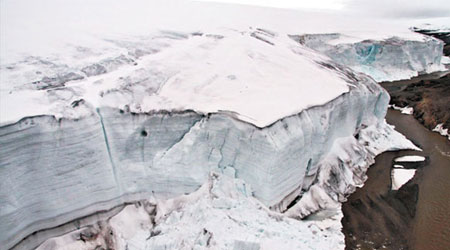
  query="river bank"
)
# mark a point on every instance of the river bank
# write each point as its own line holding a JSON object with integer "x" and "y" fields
{"x": 428, "y": 95}
{"x": 417, "y": 216}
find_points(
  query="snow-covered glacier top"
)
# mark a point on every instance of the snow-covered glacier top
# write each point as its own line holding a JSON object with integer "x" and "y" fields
{"x": 258, "y": 81}
{"x": 67, "y": 58}
{"x": 441, "y": 24}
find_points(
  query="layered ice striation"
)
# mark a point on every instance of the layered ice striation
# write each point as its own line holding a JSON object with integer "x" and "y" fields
{"x": 384, "y": 60}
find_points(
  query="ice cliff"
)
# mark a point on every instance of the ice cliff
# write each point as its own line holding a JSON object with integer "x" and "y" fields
{"x": 73, "y": 167}
{"x": 104, "y": 112}
{"x": 384, "y": 60}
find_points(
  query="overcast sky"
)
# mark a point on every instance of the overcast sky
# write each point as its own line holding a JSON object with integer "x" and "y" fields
{"x": 392, "y": 8}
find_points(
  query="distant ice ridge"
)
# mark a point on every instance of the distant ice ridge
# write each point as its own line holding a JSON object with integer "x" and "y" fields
{"x": 384, "y": 60}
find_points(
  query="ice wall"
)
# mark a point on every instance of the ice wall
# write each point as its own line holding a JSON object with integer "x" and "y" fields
{"x": 384, "y": 60}
{"x": 54, "y": 171}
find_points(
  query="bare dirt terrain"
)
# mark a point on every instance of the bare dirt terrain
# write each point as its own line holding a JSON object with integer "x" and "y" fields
{"x": 430, "y": 98}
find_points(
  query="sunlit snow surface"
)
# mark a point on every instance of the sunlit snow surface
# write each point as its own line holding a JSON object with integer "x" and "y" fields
{"x": 153, "y": 55}
{"x": 234, "y": 72}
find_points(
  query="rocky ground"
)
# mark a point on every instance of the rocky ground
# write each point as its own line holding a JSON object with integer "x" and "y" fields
{"x": 430, "y": 98}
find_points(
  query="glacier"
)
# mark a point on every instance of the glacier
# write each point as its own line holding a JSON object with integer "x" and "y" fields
{"x": 384, "y": 60}
{"x": 116, "y": 156}
{"x": 106, "y": 121}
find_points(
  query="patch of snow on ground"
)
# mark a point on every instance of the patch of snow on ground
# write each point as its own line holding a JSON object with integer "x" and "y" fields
{"x": 410, "y": 158}
{"x": 440, "y": 129}
{"x": 401, "y": 176}
{"x": 405, "y": 110}
{"x": 398, "y": 166}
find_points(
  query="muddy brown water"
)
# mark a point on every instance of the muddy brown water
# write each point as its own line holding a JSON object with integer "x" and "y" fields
{"x": 415, "y": 217}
